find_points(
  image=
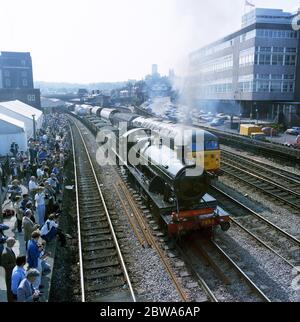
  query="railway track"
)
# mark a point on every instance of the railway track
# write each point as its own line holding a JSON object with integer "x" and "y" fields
{"x": 267, "y": 234}
{"x": 290, "y": 180}
{"x": 103, "y": 272}
{"x": 259, "y": 178}
{"x": 146, "y": 241}
{"x": 141, "y": 227}
{"x": 225, "y": 279}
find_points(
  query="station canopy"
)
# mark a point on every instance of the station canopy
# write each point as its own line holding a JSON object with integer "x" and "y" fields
{"x": 24, "y": 113}
{"x": 11, "y": 130}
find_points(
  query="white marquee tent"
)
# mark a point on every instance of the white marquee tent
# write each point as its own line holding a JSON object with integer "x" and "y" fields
{"x": 11, "y": 130}
{"x": 23, "y": 113}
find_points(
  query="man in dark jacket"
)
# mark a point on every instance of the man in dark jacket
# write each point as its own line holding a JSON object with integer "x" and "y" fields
{"x": 8, "y": 261}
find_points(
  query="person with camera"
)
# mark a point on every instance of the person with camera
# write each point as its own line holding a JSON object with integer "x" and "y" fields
{"x": 26, "y": 291}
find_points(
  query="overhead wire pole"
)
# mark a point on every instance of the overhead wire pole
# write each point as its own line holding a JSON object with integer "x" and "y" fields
{"x": 34, "y": 128}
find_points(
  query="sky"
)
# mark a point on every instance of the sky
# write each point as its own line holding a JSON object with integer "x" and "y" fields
{"x": 86, "y": 41}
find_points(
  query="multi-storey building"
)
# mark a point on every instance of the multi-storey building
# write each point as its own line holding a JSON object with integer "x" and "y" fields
{"x": 16, "y": 78}
{"x": 252, "y": 71}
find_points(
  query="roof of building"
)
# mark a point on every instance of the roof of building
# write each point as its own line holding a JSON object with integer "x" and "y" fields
{"x": 10, "y": 125}
{"x": 22, "y": 109}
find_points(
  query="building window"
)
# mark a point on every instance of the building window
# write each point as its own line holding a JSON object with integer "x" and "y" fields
{"x": 217, "y": 65}
{"x": 265, "y": 49}
{"x": 8, "y": 82}
{"x": 275, "y": 86}
{"x": 24, "y": 73}
{"x": 290, "y": 60}
{"x": 6, "y": 73}
{"x": 265, "y": 33}
{"x": 25, "y": 82}
{"x": 247, "y": 57}
{"x": 264, "y": 59}
{"x": 263, "y": 86}
{"x": 288, "y": 87}
{"x": 278, "y": 49}
{"x": 31, "y": 98}
{"x": 289, "y": 76}
{"x": 276, "y": 76}
{"x": 23, "y": 62}
{"x": 291, "y": 50}
{"x": 263, "y": 76}
{"x": 277, "y": 59}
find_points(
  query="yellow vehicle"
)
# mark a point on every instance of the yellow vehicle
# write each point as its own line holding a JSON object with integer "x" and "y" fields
{"x": 248, "y": 129}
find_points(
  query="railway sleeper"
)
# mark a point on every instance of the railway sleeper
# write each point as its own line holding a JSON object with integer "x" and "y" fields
{"x": 98, "y": 247}
{"x": 109, "y": 273}
{"x": 96, "y": 264}
{"x": 101, "y": 286}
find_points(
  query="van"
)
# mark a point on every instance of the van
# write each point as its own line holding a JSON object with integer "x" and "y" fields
{"x": 248, "y": 129}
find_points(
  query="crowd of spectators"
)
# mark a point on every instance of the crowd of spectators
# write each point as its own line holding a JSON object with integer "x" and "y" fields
{"x": 35, "y": 190}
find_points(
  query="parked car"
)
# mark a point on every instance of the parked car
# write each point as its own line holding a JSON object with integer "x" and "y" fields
{"x": 206, "y": 118}
{"x": 269, "y": 131}
{"x": 217, "y": 122}
{"x": 293, "y": 131}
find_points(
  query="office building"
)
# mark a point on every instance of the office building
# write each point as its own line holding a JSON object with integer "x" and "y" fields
{"x": 252, "y": 71}
{"x": 16, "y": 78}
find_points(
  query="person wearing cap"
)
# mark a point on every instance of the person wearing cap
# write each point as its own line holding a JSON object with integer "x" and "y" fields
{"x": 26, "y": 291}
{"x": 8, "y": 261}
{"x": 40, "y": 205}
{"x": 28, "y": 226}
{"x": 18, "y": 274}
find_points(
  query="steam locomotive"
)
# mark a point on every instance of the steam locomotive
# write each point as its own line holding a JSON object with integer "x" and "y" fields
{"x": 172, "y": 178}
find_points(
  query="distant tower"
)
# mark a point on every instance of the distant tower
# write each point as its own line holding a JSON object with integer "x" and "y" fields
{"x": 171, "y": 74}
{"x": 154, "y": 69}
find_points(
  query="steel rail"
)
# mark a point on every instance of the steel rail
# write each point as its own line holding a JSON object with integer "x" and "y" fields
{"x": 286, "y": 201}
{"x": 241, "y": 272}
{"x": 78, "y": 220}
{"x": 284, "y": 174}
{"x": 283, "y": 232}
{"x": 122, "y": 262}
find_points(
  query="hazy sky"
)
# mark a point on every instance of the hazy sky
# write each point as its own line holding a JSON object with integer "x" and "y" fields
{"x": 110, "y": 40}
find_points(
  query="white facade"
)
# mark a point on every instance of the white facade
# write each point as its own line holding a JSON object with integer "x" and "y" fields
{"x": 11, "y": 130}
{"x": 23, "y": 113}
